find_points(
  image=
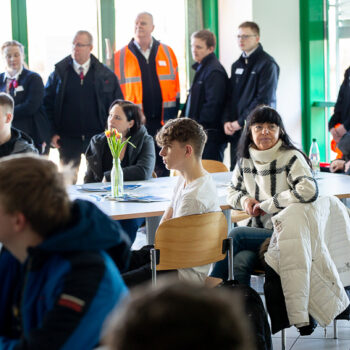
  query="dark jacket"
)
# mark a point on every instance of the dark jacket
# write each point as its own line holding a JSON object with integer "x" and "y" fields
{"x": 251, "y": 84}
{"x": 60, "y": 297}
{"x": 207, "y": 95}
{"x": 106, "y": 85}
{"x": 342, "y": 107}
{"x": 138, "y": 163}
{"x": 19, "y": 143}
{"x": 29, "y": 115}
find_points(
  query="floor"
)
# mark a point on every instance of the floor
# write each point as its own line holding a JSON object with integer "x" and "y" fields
{"x": 317, "y": 340}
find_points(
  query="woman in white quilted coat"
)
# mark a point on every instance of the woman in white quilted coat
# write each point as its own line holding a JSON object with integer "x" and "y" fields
{"x": 271, "y": 173}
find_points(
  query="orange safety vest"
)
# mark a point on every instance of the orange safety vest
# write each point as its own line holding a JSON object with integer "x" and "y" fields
{"x": 334, "y": 147}
{"x": 128, "y": 71}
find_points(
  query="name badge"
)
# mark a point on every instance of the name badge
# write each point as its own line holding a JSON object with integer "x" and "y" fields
{"x": 19, "y": 88}
{"x": 239, "y": 71}
{"x": 162, "y": 63}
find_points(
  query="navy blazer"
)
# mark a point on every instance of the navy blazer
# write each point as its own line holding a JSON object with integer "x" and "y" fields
{"x": 29, "y": 115}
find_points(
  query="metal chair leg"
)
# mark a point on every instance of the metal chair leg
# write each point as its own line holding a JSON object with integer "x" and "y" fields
{"x": 153, "y": 253}
{"x": 230, "y": 259}
{"x": 335, "y": 331}
{"x": 283, "y": 339}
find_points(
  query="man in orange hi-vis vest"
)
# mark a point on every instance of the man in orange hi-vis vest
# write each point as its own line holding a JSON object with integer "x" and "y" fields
{"x": 148, "y": 75}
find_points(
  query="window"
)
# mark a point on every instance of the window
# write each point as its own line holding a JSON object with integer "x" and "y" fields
{"x": 169, "y": 21}
{"x": 5, "y": 27}
{"x": 51, "y": 27}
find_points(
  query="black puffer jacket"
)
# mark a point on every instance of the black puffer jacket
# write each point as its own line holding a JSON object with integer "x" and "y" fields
{"x": 253, "y": 82}
{"x": 138, "y": 163}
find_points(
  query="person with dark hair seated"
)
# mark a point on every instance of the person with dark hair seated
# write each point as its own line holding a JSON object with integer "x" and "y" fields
{"x": 271, "y": 173}
{"x": 137, "y": 163}
{"x": 180, "y": 316}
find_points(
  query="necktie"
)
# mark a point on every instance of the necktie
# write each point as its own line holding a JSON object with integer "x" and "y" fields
{"x": 81, "y": 74}
{"x": 12, "y": 86}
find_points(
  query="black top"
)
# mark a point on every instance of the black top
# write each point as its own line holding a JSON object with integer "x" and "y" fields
{"x": 342, "y": 107}
{"x": 138, "y": 163}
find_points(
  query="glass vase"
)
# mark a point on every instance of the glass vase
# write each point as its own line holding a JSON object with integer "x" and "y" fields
{"x": 117, "y": 179}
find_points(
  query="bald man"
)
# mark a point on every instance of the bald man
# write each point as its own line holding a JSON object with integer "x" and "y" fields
{"x": 148, "y": 75}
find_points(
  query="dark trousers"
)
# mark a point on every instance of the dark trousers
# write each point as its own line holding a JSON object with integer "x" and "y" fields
{"x": 72, "y": 148}
{"x": 140, "y": 267}
{"x": 130, "y": 226}
{"x": 214, "y": 148}
{"x": 233, "y": 140}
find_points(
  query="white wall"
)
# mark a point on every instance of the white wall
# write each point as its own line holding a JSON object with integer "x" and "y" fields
{"x": 280, "y": 37}
{"x": 279, "y": 25}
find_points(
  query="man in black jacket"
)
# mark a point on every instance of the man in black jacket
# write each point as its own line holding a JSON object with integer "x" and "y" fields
{"x": 253, "y": 82}
{"x": 339, "y": 123}
{"x": 77, "y": 98}
{"x": 206, "y": 99}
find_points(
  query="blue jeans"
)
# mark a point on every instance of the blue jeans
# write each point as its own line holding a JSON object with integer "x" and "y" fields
{"x": 130, "y": 226}
{"x": 246, "y": 245}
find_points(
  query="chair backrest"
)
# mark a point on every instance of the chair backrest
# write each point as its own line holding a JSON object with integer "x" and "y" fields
{"x": 214, "y": 166}
{"x": 211, "y": 166}
{"x": 190, "y": 241}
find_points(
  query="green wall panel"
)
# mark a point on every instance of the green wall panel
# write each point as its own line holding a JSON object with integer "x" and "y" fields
{"x": 19, "y": 24}
{"x": 312, "y": 73}
{"x": 211, "y": 19}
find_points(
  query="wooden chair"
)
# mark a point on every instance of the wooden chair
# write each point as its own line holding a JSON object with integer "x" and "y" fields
{"x": 211, "y": 166}
{"x": 214, "y": 166}
{"x": 191, "y": 241}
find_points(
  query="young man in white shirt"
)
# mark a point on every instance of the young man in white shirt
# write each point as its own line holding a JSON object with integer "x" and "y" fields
{"x": 182, "y": 142}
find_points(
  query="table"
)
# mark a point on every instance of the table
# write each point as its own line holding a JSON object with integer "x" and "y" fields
{"x": 163, "y": 187}
{"x": 329, "y": 184}
{"x": 334, "y": 185}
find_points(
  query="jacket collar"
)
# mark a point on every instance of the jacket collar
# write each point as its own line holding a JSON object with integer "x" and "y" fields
{"x": 205, "y": 61}
{"x": 253, "y": 56}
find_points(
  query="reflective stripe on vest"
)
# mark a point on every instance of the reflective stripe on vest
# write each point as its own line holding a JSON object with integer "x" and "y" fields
{"x": 132, "y": 85}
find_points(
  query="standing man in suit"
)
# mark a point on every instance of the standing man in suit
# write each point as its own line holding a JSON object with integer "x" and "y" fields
{"x": 27, "y": 90}
{"x": 206, "y": 99}
{"x": 148, "y": 75}
{"x": 77, "y": 98}
{"x": 253, "y": 82}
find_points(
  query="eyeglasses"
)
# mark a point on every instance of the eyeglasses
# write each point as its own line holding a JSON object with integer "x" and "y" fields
{"x": 259, "y": 128}
{"x": 245, "y": 37}
{"x": 80, "y": 45}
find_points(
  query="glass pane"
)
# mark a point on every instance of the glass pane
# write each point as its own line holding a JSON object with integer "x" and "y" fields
{"x": 169, "y": 21}
{"x": 50, "y": 36}
{"x": 5, "y": 26}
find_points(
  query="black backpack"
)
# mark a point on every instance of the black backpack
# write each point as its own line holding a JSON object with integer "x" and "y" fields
{"x": 255, "y": 310}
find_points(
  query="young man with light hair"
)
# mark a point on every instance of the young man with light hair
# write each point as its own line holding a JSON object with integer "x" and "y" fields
{"x": 57, "y": 282}
{"x": 182, "y": 142}
{"x": 12, "y": 140}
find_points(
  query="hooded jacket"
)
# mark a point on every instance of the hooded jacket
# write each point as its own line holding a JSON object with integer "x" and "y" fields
{"x": 29, "y": 113}
{"x": 138, "y": 162}
{"x": 19, "y": 143}
{"x": 60, "y": 297}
